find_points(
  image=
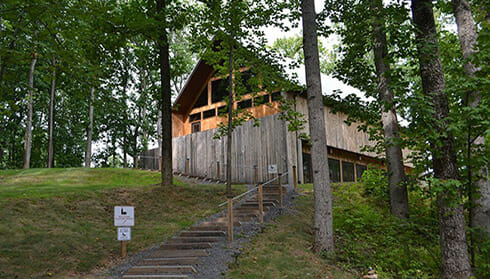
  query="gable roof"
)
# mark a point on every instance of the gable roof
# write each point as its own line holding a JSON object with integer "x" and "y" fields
{"x": 199, "y": 75}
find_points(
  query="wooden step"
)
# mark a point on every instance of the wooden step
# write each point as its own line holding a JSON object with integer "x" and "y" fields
{"x": 179, "y": 253}
{"x": 202, "y": 233}
{"x": 192, "y": 239}
{"x": 185, "y": 246}
{"x": 160, "y": 269}
{"x": 222, "y": 224}
{"x": 213, "y": 227}
{"x": 171, "y": 261}
{"x": 165, "y": 276}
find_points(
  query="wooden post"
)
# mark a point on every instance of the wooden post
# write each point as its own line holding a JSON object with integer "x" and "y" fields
{"x": 261, "y": 204}
{"x": 230, "y": 220}
{"x": 160, "y": 163}
{"x": 187, "y": 166}
{"x": 280, "y": 189}
{"x": 295, "y": 179}
{"x": 217, "y": 171}
{"x": 123, "y": 249}
{"x": 256, "y": 174}
{"x": 136, "y": 161}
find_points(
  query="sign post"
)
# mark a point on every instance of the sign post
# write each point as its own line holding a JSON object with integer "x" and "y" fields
{"x": 123, "y": 220}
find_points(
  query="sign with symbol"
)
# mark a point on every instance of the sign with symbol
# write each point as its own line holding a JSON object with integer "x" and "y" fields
{"x": 123, "y": 216}
{"x": 272, "y": 169}
{"x": 123, "y": 233}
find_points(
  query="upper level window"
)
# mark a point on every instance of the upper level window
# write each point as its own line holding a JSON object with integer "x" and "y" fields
{"x": 209, "y": 113}
{"x": 203, "y": 98}
{"x": 276, "y": 96}
{"x": 219, "y": 90}
{"x": 195, "y": 117}
{"x": 260, "y": 100}
{"x": 245, "y": 104}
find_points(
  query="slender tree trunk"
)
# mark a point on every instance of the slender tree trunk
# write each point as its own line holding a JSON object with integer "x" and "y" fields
{"x": 114, "y": 151}
{"x": 125, "y": 151}
{"x": 166, "y": 95}
{"x": 480, "y": 196}
{"x": 28, "y": 135}
{"x": 452, "y": 228}
{"x": 394, "y": 156}
{"x": 88, "y": 151}
{"x": 143, "y": 95}
{"x": 51, "y": 117}
{"x": 321, "y": 181}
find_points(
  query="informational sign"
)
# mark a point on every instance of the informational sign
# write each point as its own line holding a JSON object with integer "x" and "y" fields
{"x": 123, "y": 216}
{"x": 272, "y": 169}
{"x": 123, "y": 233}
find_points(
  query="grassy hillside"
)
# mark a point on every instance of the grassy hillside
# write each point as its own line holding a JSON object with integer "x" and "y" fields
{"x": 365, "y": 236}
{"x": 59, "y": 223}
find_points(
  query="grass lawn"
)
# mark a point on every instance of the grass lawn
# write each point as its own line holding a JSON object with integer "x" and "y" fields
{"x": 365, "y": 236}
{"x": 58, "y": 223}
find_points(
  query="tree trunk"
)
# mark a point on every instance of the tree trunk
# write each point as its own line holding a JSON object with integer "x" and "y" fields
{"x": 28, "y": 135}
{"x": 323, "y": 225}
{"x": 480, "y": 196}
{"x": 51, "y": 117}
{"x": 394, "y": 156}
{"x": 455, "y": 262}
{"x": 88, "y": 151}
{"x": 114, "y": 150}
{"x": 166, "y": 95}
{"x": 125, "y": 150}
{"x": 143, "y": 95}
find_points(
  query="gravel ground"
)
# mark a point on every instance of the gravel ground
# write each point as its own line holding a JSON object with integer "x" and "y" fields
{"x": 223, "y": 253}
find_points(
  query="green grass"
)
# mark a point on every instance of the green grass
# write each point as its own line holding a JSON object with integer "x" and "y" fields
{"x": 365, "y": 236}
{"x": 59, "y": 223}
{"x": 48, "y": 182}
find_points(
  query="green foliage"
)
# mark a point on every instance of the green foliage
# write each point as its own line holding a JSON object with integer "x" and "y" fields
{"x": 375, "y": 183}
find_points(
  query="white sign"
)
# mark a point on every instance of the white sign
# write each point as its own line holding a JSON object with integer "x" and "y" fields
{"x": 272, "y": 169}
{"x": 123, "y": 216}
{"x": 123, "y": 233}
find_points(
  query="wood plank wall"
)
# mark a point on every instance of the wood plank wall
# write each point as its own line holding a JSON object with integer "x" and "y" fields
{"x": 251, "y": 146}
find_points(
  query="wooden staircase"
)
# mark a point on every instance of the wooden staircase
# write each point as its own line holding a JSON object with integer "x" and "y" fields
{"x": 180, "y": 256}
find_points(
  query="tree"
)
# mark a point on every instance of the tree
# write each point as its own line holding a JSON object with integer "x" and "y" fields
{"x": 394, "y": 156}
{"x": 166, "y": 96}
{"x": 51, "y": 116}
{"x": 480, "y": 195}
{"x": 323, "y": 223}
{"x": 454, "y": 249}
{"x": 30, "y": 92}
{"x": 88, "y": 151}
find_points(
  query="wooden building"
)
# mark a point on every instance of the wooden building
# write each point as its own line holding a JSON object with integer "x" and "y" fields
{"x": 196, "y": 152}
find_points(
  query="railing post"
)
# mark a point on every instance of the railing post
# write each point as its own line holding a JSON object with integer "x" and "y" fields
{"x": 230, "y": 220}
{"x": 295, "y": 179}
{"x": 280, "y": 189}
{"x": 261, "y": 204}
{"x": 187, "y": 166}
{"x": 217, "y": 171}
{"x": 256, "y": 174}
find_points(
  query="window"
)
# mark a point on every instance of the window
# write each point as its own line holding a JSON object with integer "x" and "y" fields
{"x": 260, "y": 100}
{"x": 223, "y": 111}
{"x": 219, "y": 90}
{"x": 334, "y": 170}
{"x": 348, "y": 171}
{"x": 245, "y": 104}
{"x": 203, "y": 98}
{"x": 209, "y": 113}
{"x": 195, "y": 117}
{"x": 196, "y": 127}
{"x": 276, "y": 96}
{"x": 247, "y": 82}
{"x": 360, "y": 170}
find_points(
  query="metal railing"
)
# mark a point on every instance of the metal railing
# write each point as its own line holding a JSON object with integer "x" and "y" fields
{"x": 253, "y": 189}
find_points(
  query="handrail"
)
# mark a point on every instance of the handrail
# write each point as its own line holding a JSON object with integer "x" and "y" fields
{"x": 253, "y": 189}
